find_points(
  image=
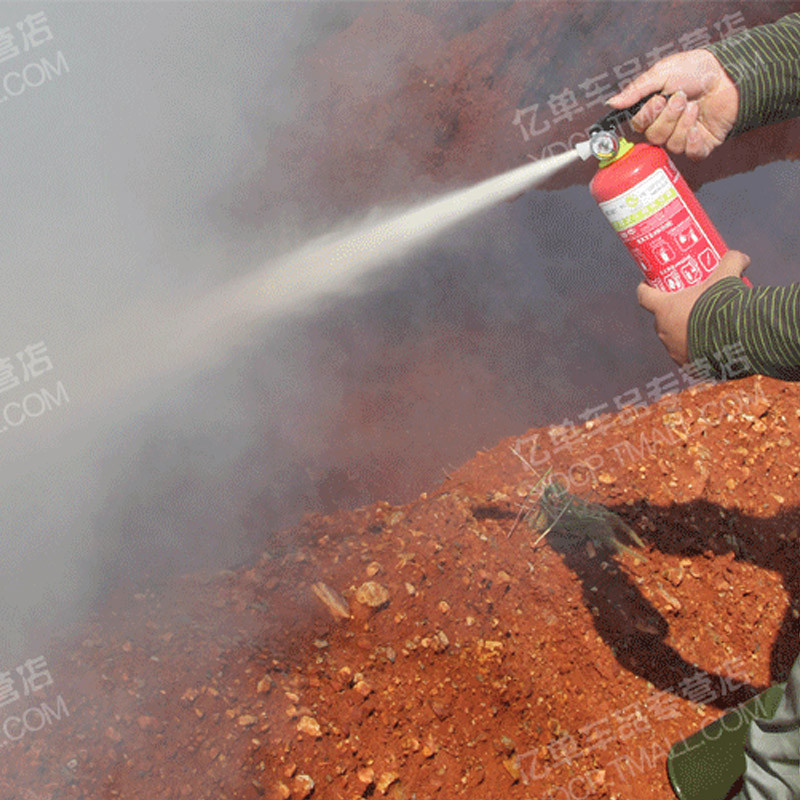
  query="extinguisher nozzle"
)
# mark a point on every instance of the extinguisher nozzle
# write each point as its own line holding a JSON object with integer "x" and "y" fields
{"x": 603, "y": 145}
{"x": 584, "y": 150}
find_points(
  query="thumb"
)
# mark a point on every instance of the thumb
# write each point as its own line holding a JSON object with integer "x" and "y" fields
{"x": 648, "y": 296}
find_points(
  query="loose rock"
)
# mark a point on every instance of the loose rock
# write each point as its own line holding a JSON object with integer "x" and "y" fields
{"x": 333, "y": 601}
{"x": 372, "y": 594}
{"x": 385, "y": 781}
{"x": 310, "y": 726}
{"x": 302, "y": 786}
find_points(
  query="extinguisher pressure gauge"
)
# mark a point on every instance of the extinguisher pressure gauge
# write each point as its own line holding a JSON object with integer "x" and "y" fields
{"x": 604, "y": 144}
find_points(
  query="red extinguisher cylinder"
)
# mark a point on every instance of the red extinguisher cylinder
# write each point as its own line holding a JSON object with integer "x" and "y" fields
{"x": 658, "y": 217}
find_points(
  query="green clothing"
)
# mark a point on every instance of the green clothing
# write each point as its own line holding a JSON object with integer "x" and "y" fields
{"x": 764, "y": 63}
{"x": 772, "y": 749}
{"x": 739, "y": 331}
{"x": 764, "y": 322}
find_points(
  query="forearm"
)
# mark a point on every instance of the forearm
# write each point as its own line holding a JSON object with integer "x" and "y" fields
{"x": 763, "y": 321}
{"x": 764, "y": 63}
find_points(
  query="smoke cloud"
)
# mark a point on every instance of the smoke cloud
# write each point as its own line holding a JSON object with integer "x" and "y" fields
{"x": 151, "y": 173}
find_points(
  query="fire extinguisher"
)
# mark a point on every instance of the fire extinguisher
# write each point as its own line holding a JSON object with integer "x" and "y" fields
{"x": 651, "y": 207}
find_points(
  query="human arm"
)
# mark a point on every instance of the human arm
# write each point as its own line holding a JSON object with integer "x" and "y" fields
{"x": 763, "y": 67}
{"x": 764, "y": 63}
{"x": 762, "y": 322}
{"x": 722, "y": 316}
{"x": 725, "y": 88}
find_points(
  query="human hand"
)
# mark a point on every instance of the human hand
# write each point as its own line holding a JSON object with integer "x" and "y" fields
{"x": 672, "y": 309}
{"x": 702, "y": 108}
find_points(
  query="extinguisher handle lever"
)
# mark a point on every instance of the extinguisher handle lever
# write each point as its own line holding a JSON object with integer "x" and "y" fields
{"x": 611, "y": 120}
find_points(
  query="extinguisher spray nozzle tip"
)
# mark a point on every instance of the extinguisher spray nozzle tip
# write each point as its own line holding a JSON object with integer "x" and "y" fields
{"x": 584, "y": 150}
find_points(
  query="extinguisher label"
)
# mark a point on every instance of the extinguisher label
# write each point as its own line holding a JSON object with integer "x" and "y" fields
{"x": 662, "y": 233}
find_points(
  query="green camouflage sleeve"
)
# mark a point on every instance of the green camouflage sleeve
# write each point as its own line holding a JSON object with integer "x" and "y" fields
{"x": 764, "y": 63}
{"x": 761, "y": 324}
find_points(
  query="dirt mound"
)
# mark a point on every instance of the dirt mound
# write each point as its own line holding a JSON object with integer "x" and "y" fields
{"x": 473, "y": 663}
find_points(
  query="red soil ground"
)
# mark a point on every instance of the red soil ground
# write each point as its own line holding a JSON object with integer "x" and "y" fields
{"x": 494, "y": 668}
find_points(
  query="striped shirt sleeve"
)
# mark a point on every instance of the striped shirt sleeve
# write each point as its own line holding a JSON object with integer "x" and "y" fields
{"x": 764, "y": 63}
{"x": 761, "y": 324}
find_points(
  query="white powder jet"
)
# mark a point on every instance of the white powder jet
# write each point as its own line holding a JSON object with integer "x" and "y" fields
{"x": 132, "y": 354}
{"x": 334, "y": 264}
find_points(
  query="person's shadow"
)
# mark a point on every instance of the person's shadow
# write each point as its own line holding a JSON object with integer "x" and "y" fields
{"x": 637, "y": 632}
